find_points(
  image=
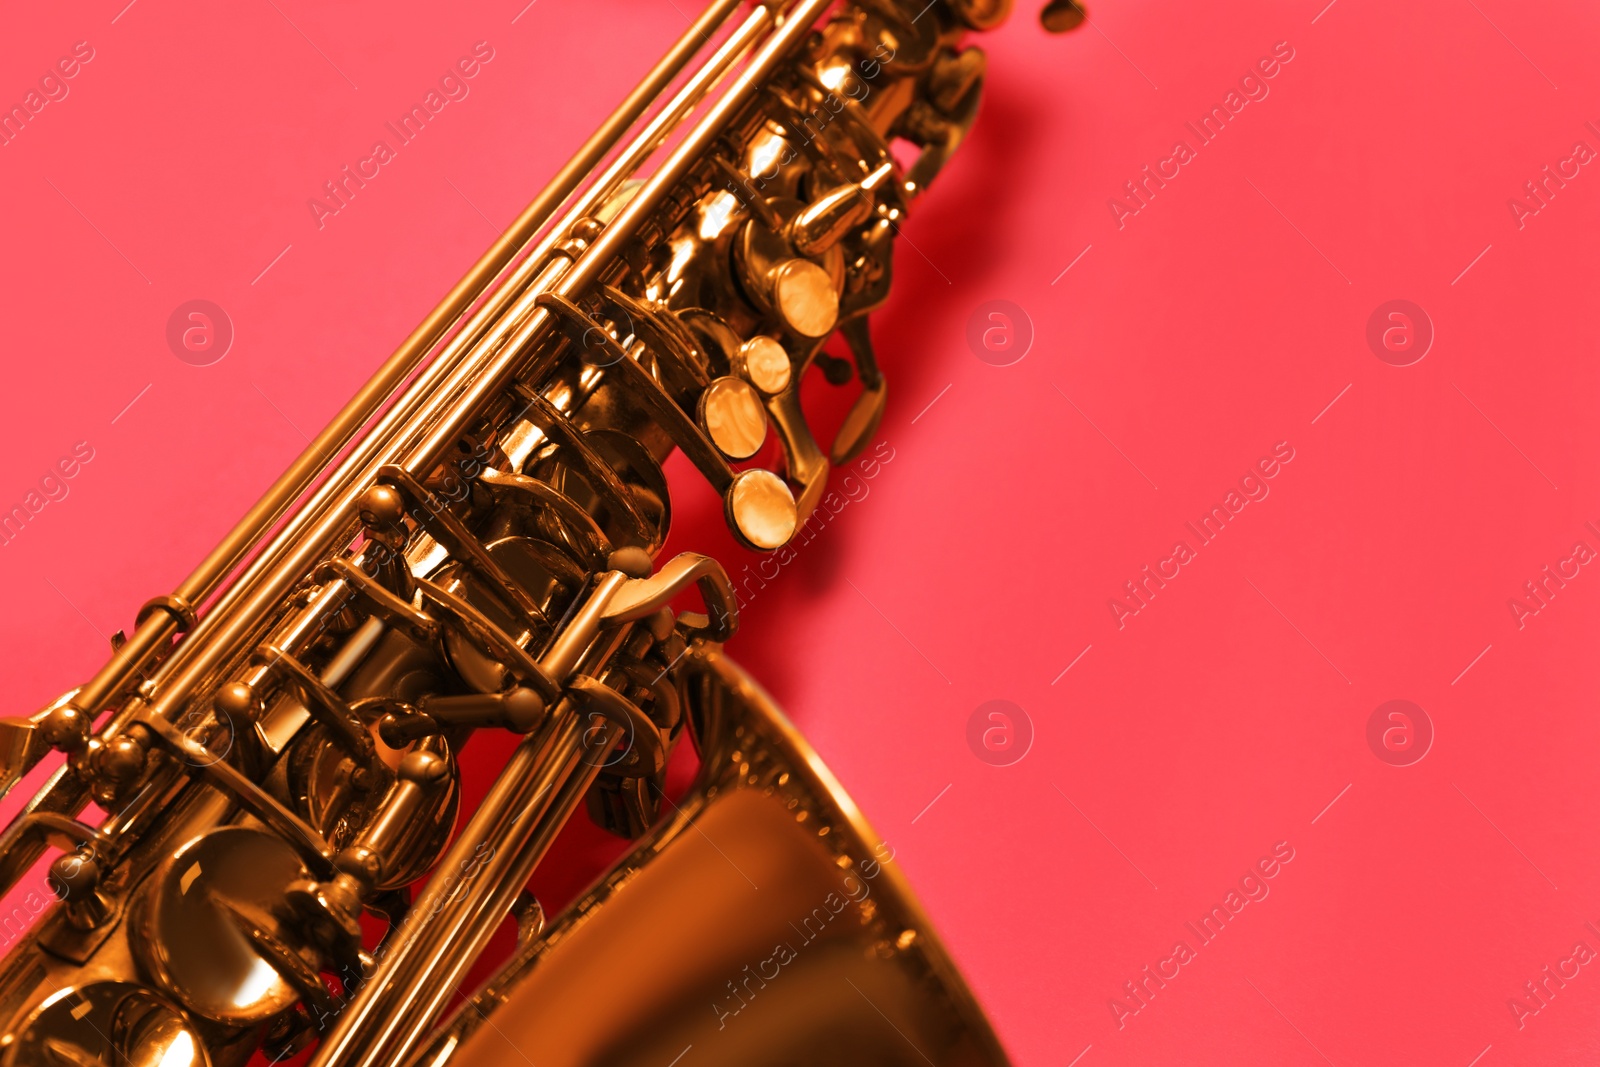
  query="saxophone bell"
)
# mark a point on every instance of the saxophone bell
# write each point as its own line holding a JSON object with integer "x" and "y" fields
{"x": 281, "y": 862}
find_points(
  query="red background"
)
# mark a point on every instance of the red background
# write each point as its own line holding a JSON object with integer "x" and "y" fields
{"x": 1221, "y": 319}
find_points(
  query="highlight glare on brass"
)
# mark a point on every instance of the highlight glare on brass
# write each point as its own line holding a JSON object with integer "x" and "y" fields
{"x": 766, "y": 364}
{"x": 732, "y": 415}
{"x": 762, "y": 509}
{"x": 277, "y": 739}
{"x": 805, "y": 297}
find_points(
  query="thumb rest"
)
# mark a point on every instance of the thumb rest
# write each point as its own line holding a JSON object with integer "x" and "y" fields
{"x": 277, "y": 741}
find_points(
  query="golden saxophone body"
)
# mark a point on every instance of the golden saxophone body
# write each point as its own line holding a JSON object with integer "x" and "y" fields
{"x": 284, "y": 868}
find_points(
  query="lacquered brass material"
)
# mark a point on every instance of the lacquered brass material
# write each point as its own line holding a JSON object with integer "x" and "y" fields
{"x": 276, "y": 740}
{"x": 187, "y": 933}
{"x": 1059, "y": 16}
{"x": 765, "y": 364}
{"x": 733, "y": 417}
{"x": 105, "y": 1023}
{"x": 764, "y": 924}
{"x": 761, "y": 509}
{"x": 803, "y": 294}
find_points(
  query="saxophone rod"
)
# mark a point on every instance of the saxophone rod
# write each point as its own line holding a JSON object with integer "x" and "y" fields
{"x": 156, "y": 628}
{"x": 66, "y": 793}
{"x": 204, "y": 650}
{"x": 447, "y": 926}
{"x": 404, "y": 998}
{"x": 315, "y": 530}
{"x": 696, "y": 144}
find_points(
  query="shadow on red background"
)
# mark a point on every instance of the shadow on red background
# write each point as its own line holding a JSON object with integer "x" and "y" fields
{"x": 1170, "y": 753}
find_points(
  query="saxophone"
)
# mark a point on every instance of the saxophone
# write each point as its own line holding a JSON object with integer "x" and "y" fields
{"x": 278, "y": 864}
